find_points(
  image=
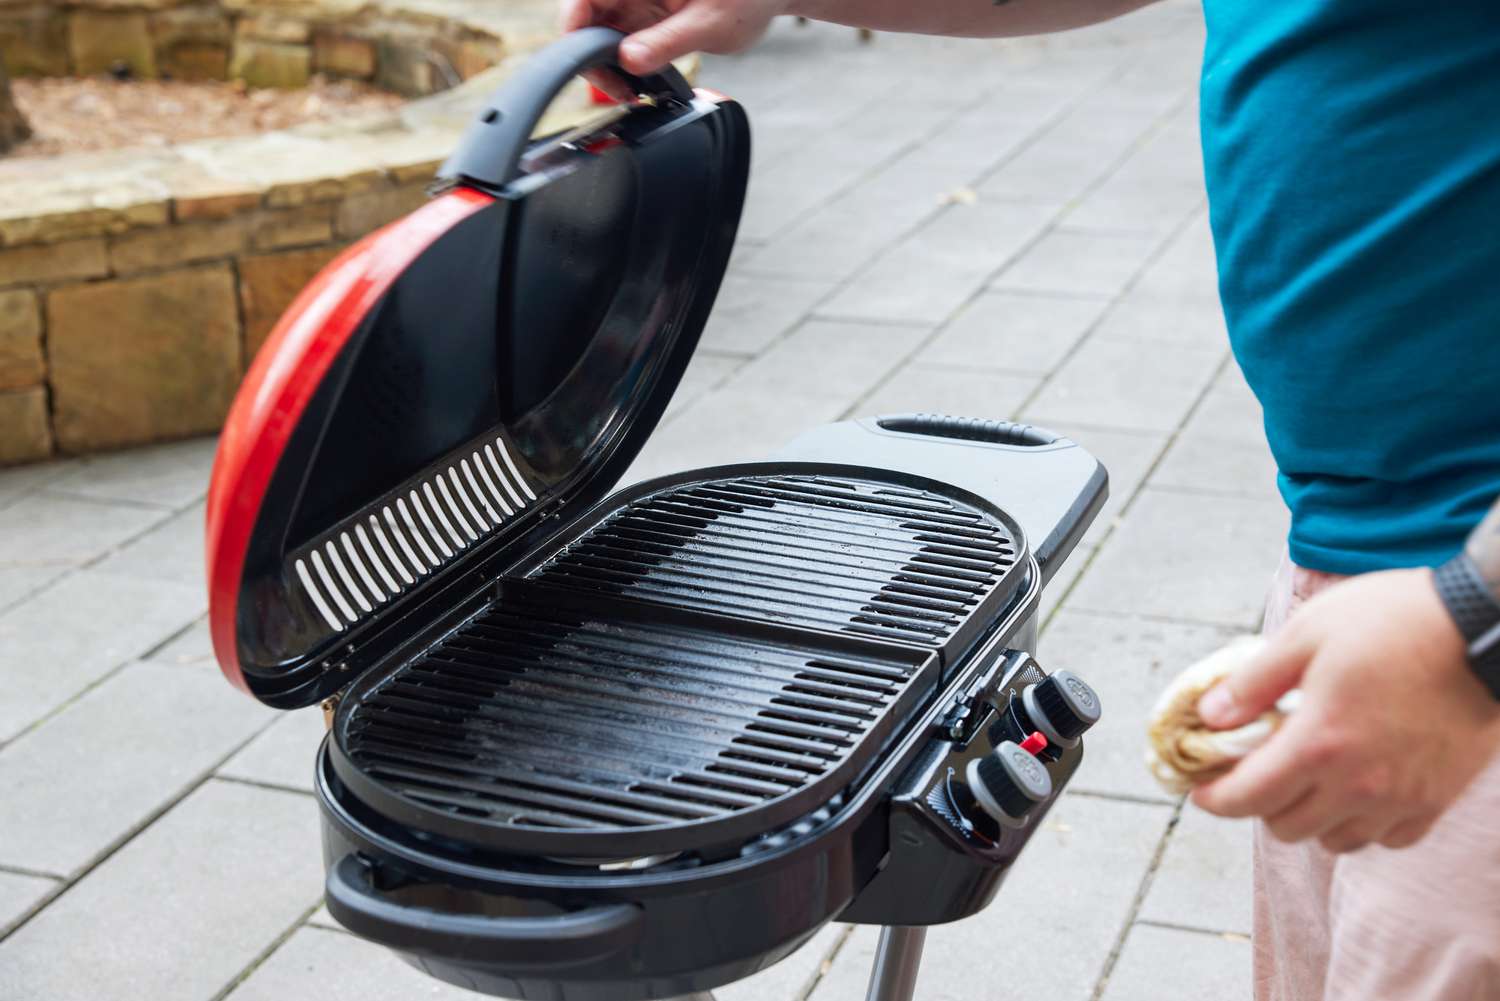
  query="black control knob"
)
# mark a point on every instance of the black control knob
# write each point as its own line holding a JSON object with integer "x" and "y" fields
{"x": 1062, "y": 706}
{"x": 1008, "y": 782}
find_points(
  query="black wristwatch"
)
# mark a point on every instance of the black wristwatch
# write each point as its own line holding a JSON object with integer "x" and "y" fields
{"x": 1477, "y": 614}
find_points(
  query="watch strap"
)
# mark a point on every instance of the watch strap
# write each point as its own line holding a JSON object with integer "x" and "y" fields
{"x": 1476, "y": 613}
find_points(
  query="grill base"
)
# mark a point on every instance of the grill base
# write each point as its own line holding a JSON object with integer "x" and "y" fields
{"x": 702, "y": 924}
{"x": 886, "y": 847}
{"x": 700, "y": 927}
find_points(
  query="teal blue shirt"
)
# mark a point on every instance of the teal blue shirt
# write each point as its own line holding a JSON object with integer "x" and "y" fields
{"x": 1352, "y": 153}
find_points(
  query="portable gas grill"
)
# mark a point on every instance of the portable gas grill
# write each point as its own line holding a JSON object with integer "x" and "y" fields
{"x": 615, "y": 747}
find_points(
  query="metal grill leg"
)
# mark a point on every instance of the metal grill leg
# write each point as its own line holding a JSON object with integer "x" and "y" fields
{"x": 895, "y": 975}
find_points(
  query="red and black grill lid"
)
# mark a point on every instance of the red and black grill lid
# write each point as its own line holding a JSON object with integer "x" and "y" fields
{"x": 451, "y": 383}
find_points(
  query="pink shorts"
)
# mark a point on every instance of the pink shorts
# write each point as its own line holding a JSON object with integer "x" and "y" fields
{"x": 1419, "y": 924}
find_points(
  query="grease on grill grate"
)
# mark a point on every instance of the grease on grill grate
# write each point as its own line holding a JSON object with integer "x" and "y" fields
{"x": 821, "y": 552}
{"x": 536, "y": 717}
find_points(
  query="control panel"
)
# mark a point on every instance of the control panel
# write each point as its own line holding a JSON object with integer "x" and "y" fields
{"x": 1003, "y": 751}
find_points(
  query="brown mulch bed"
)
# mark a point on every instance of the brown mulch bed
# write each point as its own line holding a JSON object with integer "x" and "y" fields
{"x": 70, "y": 114}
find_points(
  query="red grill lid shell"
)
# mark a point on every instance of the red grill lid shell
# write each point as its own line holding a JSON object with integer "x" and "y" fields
{"x": 452, "y": 384}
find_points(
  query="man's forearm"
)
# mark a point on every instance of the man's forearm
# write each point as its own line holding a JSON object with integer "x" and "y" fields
{"x": 971, "y": 18}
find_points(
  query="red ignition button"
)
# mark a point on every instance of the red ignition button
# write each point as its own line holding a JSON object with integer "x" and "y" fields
{"x": 1034, "y": 744}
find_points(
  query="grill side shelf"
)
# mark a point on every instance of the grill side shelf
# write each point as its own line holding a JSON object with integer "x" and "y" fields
{"x": 553, "y": 722}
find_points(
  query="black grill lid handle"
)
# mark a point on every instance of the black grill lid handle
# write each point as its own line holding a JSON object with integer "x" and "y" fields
{"x": 489, "y": 155}
{"x": 555, "y": 940}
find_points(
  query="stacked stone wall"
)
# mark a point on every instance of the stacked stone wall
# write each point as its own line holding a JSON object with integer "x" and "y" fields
{"x": 137, "y": 327}
{"x": 136, "y": 285}
{"x": 409, "y": 53}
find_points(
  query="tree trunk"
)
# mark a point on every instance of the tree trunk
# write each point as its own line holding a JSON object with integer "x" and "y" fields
{"x": 13, "y": 126}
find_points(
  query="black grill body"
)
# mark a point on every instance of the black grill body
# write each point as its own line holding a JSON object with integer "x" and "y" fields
{"x": 618, "y": 747}
{"x": 657, "y": 752}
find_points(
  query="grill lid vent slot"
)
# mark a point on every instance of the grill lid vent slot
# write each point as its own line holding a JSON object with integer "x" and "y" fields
{"x": 349, "y": 574}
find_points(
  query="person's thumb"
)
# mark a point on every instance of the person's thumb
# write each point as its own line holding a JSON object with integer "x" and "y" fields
{"x": 1254, "y": 686}
{"x": 697, "y": 26}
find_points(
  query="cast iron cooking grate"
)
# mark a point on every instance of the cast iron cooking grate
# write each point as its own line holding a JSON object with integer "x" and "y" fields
{"x": 813, "y": 551}
{"x": 605, "y": 732}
